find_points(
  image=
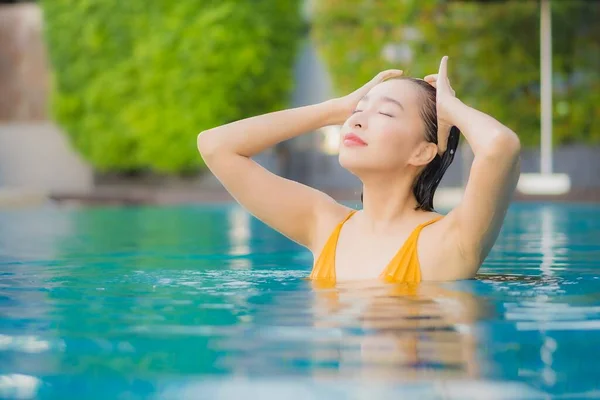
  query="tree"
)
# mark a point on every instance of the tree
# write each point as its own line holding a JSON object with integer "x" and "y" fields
{"x": 136, "y": 80}
{"x": 493, "y": 50}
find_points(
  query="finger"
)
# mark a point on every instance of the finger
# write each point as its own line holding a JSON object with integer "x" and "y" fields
{"x": 431, "y": 79}
{"x": 444, "y": 67}
{"x": 388, "y": 74}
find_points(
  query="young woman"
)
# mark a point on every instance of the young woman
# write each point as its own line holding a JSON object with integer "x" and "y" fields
{"x": 399, "y": 136}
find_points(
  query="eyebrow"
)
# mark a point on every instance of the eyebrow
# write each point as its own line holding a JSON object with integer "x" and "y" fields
{"x": 387, "y": 99}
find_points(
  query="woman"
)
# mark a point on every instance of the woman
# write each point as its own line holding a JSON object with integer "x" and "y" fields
{"x": 398, "y": 137}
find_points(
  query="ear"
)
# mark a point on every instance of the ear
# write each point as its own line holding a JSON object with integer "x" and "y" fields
{"x": 424, "y": 153}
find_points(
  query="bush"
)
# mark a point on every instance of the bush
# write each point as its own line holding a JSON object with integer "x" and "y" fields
{"x": 493, "y": 50}
{"x": 136, "y": 80}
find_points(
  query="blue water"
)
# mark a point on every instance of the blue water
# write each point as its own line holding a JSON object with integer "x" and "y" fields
{"x": 206, "y": 302}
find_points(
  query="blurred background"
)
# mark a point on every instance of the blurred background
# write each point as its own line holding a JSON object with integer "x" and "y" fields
{"x": 101, "y": 100}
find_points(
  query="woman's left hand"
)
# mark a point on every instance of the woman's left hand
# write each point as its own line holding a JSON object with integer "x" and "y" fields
{"x": 445, "y": 99}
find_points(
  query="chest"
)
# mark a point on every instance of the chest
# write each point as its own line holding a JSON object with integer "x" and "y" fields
{"x": 365, "y": 258}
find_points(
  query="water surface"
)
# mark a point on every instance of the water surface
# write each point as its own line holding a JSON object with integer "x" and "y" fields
{"x": 205, "y": 302}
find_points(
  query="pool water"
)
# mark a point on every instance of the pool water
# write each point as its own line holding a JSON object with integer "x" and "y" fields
{"x": 206, "y": 302}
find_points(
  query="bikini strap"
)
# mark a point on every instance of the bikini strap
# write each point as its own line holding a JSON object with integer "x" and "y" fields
{"x": 420, "y": 227}
{"x": 338, "y": 228}
{"x": 350, "y": 214}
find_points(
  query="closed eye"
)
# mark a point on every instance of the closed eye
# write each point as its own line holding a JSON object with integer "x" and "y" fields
{"x": 387, "y": 115}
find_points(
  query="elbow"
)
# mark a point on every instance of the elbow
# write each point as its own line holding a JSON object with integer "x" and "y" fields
{"x": 505, "y": 144}
{"x": 202, "y": 142}
{"x": 206, "y": 144}
{"x": 513, "y": 143}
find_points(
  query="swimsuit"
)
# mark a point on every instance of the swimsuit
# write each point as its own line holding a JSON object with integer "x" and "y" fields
{"x": 403, "y": 268}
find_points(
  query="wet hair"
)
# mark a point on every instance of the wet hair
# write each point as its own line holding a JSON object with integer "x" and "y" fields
{"x": 428, "y": 180}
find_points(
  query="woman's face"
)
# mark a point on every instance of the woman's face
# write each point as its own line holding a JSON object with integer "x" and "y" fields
{"x": 386, "y": 131}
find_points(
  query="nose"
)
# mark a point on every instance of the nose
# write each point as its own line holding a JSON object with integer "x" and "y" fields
{"x": 357, "y": 120}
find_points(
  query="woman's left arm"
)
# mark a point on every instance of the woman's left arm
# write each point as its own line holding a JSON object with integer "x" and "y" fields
{"x": 495, "y": 171}
{"x": 493, "y": 178}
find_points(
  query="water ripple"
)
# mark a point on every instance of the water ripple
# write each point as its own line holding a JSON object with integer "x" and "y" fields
{"x": 207, "y": 302}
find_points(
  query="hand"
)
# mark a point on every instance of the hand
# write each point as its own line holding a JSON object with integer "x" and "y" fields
{"x": 445, "y": 97}
{"x": 347, "y": 104}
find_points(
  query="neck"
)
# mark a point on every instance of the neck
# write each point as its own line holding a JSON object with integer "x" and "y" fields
{"x": 388, "y": 199}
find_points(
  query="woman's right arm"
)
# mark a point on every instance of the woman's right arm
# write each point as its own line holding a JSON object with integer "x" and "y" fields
{"x": 289, "y": 207}
{"x": 296, "y": 210}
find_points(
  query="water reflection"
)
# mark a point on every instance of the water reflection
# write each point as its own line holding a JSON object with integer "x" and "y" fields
{"x": 239, "y": 235}
{"x": 394, "y": 333}
{"x": 399, "y": 332}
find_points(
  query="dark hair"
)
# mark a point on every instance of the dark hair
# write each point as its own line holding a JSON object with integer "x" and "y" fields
{"x": 428, "y": 180}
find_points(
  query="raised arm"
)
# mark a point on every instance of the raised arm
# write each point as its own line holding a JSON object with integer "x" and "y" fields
{"x": 477, "y": 220}
{"x": 295, "y": 210}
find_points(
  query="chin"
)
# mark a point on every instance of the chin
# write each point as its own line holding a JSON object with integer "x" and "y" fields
{"x": 361, "y": 165}
{"x": 352, "y": 163}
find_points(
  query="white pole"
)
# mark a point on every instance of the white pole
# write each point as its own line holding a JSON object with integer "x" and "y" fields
{"x": 546, "y": 86}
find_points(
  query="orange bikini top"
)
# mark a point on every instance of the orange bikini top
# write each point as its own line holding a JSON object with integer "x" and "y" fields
{"x": 403, "y": 268}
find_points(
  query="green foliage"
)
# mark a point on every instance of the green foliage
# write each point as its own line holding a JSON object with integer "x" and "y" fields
{"x": 136, "y": 80}
{"x": 494, "y": 52}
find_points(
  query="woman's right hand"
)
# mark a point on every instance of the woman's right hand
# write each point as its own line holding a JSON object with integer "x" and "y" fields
{"x": 347, "y": 104}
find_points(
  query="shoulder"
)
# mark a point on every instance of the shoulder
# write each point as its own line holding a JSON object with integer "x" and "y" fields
{"x": 329, "y": 216}
{"x": 439, "y": 253}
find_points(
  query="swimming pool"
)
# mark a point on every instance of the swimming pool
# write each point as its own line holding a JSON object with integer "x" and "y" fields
{"x": 206, "y": 302}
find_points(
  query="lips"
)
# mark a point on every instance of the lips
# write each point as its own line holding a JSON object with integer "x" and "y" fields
{"x": 351, "y": 139}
